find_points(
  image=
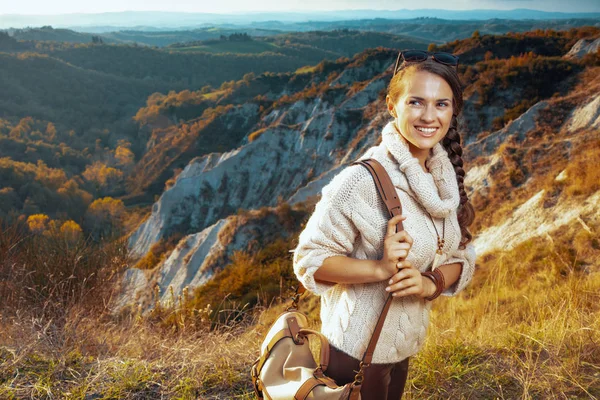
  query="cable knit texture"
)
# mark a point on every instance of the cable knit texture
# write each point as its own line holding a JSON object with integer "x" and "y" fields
{"x": 350, "y": 220}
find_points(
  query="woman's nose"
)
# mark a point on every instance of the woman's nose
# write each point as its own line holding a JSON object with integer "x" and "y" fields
{"x": 428, "y": 114}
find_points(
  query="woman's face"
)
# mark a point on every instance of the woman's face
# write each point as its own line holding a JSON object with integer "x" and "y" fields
{"x": 423, "y": 111}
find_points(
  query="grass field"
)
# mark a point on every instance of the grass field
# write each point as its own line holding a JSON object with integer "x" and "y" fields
{"x": 528, "y": 327}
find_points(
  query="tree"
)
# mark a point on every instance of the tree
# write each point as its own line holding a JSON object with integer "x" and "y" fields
{"x": 107, "y": 180}
{"x": 124, "y": 156}
{"x": 38, "y": 223}
{"x": 104, "y": 218}
{"x": 71, "y": 230}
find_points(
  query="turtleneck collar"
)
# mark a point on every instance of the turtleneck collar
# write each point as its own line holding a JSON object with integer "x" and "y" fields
{"x": 439, "y": 200}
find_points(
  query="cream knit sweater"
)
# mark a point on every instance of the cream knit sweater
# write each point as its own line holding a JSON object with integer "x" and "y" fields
{"x": 350, "y": 219}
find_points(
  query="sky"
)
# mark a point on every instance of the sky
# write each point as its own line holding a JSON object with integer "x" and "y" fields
{"x": 45, "y": 7}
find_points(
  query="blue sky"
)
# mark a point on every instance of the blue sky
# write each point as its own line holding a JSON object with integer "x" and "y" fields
{"x": 41, "y": 7}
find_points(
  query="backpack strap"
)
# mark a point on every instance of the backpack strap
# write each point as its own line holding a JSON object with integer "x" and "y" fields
{"x": 388, "y": 194}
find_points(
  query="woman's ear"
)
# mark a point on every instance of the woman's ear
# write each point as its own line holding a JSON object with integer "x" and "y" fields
{"x": 390, "y": 106}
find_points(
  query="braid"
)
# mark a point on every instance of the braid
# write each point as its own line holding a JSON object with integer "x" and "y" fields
{"x": 466, "y": 213}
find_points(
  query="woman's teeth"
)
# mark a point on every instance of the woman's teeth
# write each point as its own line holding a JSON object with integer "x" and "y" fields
{"x": 426, "y": 130}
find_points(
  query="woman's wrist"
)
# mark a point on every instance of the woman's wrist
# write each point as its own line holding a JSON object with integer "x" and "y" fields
{"x": 429, "y": 287}
{"x": 437, "y": 277}
{"x": 379, "y": 271}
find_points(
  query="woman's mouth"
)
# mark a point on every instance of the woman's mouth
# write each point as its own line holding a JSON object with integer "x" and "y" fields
{"x": 428, "y": 132}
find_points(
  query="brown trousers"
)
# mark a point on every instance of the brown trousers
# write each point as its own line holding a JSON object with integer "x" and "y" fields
{"x": 381, "y": 381}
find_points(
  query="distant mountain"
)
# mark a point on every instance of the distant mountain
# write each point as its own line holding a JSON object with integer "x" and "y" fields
{"x": 48, "y": 33}
{"x": 143, "y": 37}
{"x": 431, "y": 30}
{"x": 161, "y": 19}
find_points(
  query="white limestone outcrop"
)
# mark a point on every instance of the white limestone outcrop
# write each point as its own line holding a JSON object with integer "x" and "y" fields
{"x": 583, "y": 47}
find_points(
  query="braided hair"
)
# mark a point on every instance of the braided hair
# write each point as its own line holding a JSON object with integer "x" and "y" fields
{"x": 451, "y": 142}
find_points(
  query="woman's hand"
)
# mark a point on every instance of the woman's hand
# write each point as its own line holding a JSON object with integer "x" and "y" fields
{"x": 409, "y": 281}
{"x": 396, "y": 246}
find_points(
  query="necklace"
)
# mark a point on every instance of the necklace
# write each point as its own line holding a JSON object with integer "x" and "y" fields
{"x": 440, "y": 241}
{"x": 437, "y": 260}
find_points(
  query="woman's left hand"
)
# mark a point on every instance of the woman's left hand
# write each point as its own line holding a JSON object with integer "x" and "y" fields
{"x": 409, "y": 281}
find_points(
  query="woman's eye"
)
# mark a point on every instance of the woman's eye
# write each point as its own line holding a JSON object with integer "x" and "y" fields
{"x": 414, "y": 102}
{"x": 442, "y": 104}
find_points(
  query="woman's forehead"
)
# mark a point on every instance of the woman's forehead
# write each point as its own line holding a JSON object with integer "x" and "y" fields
{"x": 426, "y": 85}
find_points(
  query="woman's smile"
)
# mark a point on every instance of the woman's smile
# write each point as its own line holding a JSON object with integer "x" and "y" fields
{"x": 427, "y": 131}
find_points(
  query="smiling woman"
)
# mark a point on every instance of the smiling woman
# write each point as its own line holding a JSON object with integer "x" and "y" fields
{"x": 350, "y": 253}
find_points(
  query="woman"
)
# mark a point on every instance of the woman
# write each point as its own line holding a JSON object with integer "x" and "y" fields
{"x": 349, "y": 252}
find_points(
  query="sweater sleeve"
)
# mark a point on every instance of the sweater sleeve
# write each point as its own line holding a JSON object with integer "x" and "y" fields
{"x": 466, "y": 257}
{"x": 328, "y": 232}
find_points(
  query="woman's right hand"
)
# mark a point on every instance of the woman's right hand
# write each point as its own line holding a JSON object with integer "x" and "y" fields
{"x": 396, "y": 246}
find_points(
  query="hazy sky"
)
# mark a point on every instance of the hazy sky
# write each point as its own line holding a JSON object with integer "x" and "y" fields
{"x": 225, "y": 6}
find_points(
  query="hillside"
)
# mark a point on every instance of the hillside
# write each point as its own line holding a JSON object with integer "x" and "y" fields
{"x": 323, "y": 109}
{"x": 101, "y": 111}
{"x": 158, "y": 38}
{"x": 333, "y": 44}
{"x": 530, "y": 183}
{"x": 438, "y": 30}
{"x": 498, "y": 90}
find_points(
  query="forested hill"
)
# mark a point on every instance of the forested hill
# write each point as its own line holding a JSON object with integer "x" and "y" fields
{"x": 123, "y": 121}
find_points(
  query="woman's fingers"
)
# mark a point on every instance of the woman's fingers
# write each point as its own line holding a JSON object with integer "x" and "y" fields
{"x": 400, "y": 246}
{"x": 403, "y": 264}
{"x": 407, "y": 271}
{"x": 405, "y": 286}
{"x": 406, "y": 282}
{"x": 391, "y": 227}
{"x": 402, "y": 236}
{"x": 398, "y": 254}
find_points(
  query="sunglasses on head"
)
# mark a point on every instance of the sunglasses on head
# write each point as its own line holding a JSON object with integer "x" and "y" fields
{"x": 412, "y": 56}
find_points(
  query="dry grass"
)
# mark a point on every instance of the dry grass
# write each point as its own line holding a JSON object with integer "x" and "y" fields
{"x": 517, "y": 333}
{"x": 130, "y": 359}
{"x": 528, "y": 327}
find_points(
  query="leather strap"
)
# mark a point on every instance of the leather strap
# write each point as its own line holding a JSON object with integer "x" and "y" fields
{"x": 355, "y": 393}
{"x": 311, "y": 383}
{"x": 385, "y": 187}
{"x": 324, "y": 350}
{"x": 388, "y": 194}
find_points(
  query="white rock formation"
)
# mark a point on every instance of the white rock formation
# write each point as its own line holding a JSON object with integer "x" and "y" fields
{"x": 586, "y": 116}
{"x": 276, "y": 164}
{"x": 189, "y": 264}
{"x": 517, "y": 128}
{"x": 583, "y": 47}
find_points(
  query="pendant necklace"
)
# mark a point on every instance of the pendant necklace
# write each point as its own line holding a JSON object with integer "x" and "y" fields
{"x": 437, "y": 260}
